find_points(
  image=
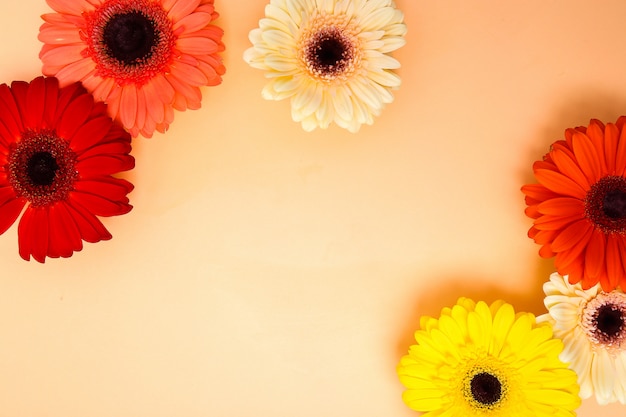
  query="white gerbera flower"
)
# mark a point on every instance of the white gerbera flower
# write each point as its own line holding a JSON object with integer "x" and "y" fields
{"x": 592, "y": 325}
{"x": 330, "y": 57}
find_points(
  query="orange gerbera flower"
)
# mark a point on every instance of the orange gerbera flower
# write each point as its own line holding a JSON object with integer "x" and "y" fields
{"x": 579, "y": 205}
{"x": 144, "y": 58}
{"x": 58, "y": 153}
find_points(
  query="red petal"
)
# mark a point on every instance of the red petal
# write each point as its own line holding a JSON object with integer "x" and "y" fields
{"x": 104, "y": 165}
{"x": 64, "y": 235}
{"x": 74, "y": 116}
{"x": 9, "y": 112}
{"x": 35, "y": 104}
{"x": 118, "y": 148}
{"x": 6, "y": 193}
{"x": 33, "y": 234}
{"x": 113, "y": 189}
{"x": 90, "y": 134}
{"x": 52, "y": 96}
{"x": 20, "y": 90}
{"x": 66, "y": 96}
{"x": 91, "y": 229}
{"x": 99, "y": 205}
{"x": 9, "y": 212}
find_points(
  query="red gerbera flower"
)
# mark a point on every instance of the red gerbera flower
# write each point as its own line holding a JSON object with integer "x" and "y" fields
{"x": 144, "y": 58}
{"x": 58, "y": 150}
{"x": 579, "y": 205}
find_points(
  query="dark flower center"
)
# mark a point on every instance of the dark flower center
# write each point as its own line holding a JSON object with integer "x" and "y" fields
{"x": 130, "y": 37}
{"x": 329, "y": 53}
{"x": 609, "y": 321}
{"x": 614, "y": 204}
{"x": 605, "y": 204}
{"x": 604, "y": 321}
{"x": 130, "y": 41}
{"x": 42, "y": 168}
{"x": 486, "y": 388}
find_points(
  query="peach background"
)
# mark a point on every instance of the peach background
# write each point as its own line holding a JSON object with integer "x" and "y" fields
{"x": 265, "y": 271}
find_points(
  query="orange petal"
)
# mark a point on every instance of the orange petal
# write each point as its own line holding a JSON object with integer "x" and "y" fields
{"x": 595, "y": 255}
{"x": 566, "y": 257}
{"x": 614, "y": 267}
{"x": 570, "y": 168}
{"x": 587, "y": 157}
{"x": 571, "y": 235}
{"x": 559, "y": 183}
{"x": 562, "y": 207}
{"x": 611, "y": 140}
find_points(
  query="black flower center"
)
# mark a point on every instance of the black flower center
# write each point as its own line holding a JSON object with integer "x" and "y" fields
{"x": 614, "y": 204}
{"x": 41, "y": 168}
{"x": 130, "y": 37}
{"x": 609, "y": 321}
{"x": 329, "y": 53}
{"x": 486, "y": 388}
{"x": 605, "y": 204}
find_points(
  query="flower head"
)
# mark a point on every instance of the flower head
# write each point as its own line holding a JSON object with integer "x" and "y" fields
{"x": 330, "y": 57}
{"x": 486, "y": 360}
{"x": 144, "y": 58}
{"x": 579, "y": 204}
{"x": 58, "y": 151}
{"x": 592, "y": 325}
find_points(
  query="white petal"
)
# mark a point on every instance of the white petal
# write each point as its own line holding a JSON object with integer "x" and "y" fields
{"x": 602, "y": 376}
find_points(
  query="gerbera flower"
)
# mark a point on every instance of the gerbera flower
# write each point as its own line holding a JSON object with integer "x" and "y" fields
{"x": 592, "y": 325}
{"x": 330, "y": 57}
{"x": 480, "y": 360}
{"x": 579, "y": 204}
{"x": 144, "y": 58}
{"x": 58, "y": 151}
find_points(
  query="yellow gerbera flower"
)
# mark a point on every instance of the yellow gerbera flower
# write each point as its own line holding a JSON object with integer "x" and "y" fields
{"x": 480, "y": 360}
{"x": 330, "y": 57}
{"x": 592, "y": 325}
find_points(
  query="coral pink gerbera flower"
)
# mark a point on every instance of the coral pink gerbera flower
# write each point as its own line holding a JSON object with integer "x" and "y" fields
{"x": 58, "y": 151}
{"x": 579, "y": 205}
{"x": 144, "y": 58}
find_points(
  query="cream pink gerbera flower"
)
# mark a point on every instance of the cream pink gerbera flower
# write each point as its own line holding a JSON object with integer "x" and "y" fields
{"x": 592, "y": 325}
{"x": 144, "y": 58}
{"x": 330, "y": 58}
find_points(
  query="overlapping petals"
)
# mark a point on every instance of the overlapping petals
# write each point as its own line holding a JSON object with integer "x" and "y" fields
{"x": 58, "y": 152}
{"x": 486, "y": 360}
{"x": 144, "y": 58}
{"x": 579, "y": 204}
{"x": 330, "y": 58}
{"x": 592, "y": 325}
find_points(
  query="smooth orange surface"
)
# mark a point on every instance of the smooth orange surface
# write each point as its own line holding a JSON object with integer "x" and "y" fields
{"x": 265, "y": 271}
